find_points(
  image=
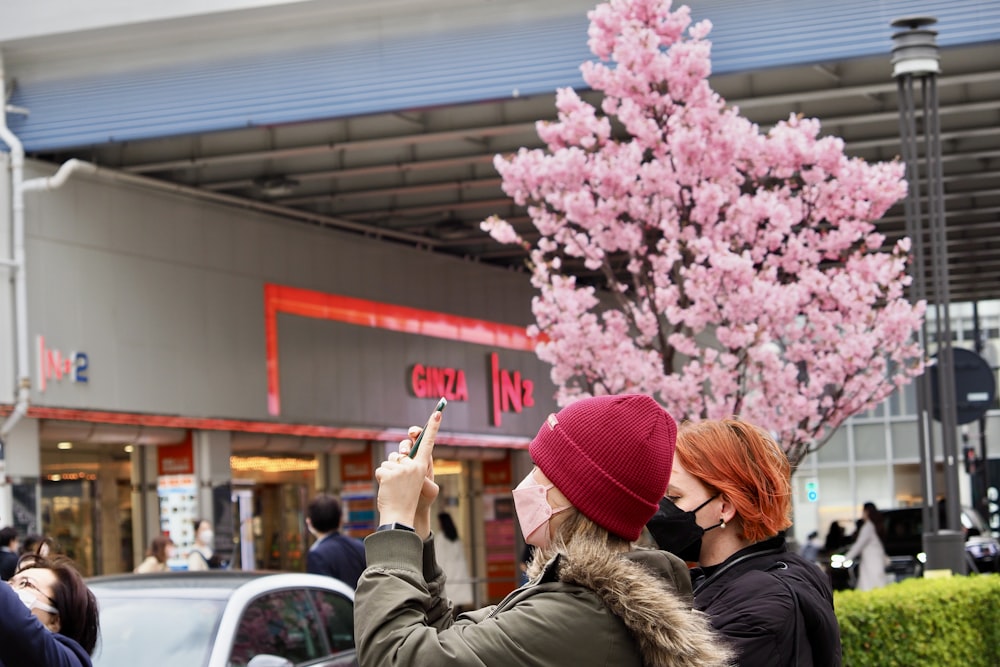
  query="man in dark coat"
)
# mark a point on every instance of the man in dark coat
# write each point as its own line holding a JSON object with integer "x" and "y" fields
{"x": 8, "y": 552}
{"x": 332, "y": 554}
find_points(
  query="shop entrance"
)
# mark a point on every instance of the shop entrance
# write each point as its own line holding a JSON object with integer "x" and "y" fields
{"x": 280, "y": 542}
{"x": 270, "y": 495}
{"x": 86, "y": 504}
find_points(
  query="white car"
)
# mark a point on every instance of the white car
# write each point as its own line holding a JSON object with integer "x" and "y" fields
{"x": 224, "y": 619}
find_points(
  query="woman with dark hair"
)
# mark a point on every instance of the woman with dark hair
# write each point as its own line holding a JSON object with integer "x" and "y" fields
{"x": 835, "y": 538}
{"x": 869, "y": 549}
{"x": 48, "y": 616}
{"x": 161, "y": 549}
{"x": 726, "y": 510}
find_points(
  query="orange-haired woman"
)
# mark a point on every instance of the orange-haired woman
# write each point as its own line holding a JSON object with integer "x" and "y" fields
{"x": 727, "y": 505}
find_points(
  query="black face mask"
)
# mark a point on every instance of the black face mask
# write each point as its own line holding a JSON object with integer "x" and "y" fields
{"x": 678, "y": 531}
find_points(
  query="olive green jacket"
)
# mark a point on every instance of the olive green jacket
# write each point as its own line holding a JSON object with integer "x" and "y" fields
{"x": 614, "y": 611}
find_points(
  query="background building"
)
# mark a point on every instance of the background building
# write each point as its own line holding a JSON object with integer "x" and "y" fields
{"x": 267, "y": 261}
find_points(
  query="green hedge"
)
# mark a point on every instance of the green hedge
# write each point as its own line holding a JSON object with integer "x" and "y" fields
{"x": 934, "y": 622}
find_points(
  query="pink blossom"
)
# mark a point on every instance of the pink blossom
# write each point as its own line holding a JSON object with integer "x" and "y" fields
{"x": 500, "y": 230}
{"x": 739, "y": 272}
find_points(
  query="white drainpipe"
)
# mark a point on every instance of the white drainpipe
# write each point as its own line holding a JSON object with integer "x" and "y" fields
{"x": 17, "y": 265}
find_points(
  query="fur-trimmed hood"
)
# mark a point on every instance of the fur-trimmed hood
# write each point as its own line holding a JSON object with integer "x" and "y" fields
{"x": 650, "y": 592}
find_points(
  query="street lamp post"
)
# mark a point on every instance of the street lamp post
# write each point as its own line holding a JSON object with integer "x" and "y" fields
{"x": 915, "y": 58}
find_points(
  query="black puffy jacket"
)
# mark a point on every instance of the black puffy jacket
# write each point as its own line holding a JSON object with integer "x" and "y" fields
{"x": 775, "y": 607}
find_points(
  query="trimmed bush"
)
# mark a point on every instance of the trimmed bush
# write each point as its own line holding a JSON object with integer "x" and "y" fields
{"x": 939, "y": 622}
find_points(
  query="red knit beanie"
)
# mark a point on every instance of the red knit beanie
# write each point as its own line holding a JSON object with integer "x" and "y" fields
{"x": 611, "y": 457}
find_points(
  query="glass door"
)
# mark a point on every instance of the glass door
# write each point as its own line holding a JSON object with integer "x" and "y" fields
{"x": 68, "y": 517}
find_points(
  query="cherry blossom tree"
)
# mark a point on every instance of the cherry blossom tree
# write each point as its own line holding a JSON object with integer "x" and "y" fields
{"x": 684, "y": 253}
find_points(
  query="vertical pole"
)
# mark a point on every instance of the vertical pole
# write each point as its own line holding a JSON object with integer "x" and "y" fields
{"x": 983, "y": 469}
{"x": 918, "y": 290}
{"x": 915, "y": 55}
{"x": 939, "y": 250}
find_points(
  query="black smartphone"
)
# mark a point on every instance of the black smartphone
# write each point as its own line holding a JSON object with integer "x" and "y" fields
{"x": 442, "y": 404}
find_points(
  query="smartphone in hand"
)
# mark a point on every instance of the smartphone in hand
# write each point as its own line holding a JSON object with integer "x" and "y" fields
{"x": 442, "y": 404}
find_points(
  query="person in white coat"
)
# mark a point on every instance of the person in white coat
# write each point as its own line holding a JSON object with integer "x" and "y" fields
{"x": 869, "y": 550}
{"x": 451, "y": 558}
{"x": 200, "y": 557}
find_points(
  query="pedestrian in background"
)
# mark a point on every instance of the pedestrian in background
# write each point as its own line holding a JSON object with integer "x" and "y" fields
{"x": 835, "y": 538}
{"x": 451, "y": 558}
{"x": 40, "y": 545}
{"x": 161, "y": 550}
{"x": 203, "y": 552}
{"x": 812, "y": 548}
{"x": 8, "y": 552}
{"x": 48, "y": 616}
{"x": 601, "y": 465}
{"x": 727, "y": 505}
{"x": 869, "y": 550}
{"x": 332, "y": 554}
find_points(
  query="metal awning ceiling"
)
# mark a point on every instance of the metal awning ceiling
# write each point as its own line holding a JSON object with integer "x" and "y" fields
{"x": 425, "y": 177}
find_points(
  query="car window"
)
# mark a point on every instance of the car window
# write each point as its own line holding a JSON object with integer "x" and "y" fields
{"x": 279, "y": 623}
{"x": 336, "y": 615}
{"x": 160, "y": 632}
{"x": 904, "y": 525}
{"x": 973, "y": 522}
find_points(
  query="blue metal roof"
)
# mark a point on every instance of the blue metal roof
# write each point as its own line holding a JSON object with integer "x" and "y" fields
{"x": 462, "y": 66}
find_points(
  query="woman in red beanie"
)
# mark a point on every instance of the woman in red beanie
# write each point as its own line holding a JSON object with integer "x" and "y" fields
{"x": 727, "y": 505}
{"x": 601, "y": 466}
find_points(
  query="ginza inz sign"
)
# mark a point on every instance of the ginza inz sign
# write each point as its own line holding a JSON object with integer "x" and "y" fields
{"x": 510, "y": 391}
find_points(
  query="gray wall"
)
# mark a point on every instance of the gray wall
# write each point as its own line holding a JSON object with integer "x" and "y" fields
{"x": 165, "y": 294}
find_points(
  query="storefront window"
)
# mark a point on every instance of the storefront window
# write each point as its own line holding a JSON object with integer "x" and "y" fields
{"x": 835, "y": 449}
{"x": 869, "y": 442}
{"x": 278, "y": 488}
{"x": 905, "y": 441}
{"x": 68, "y": 518}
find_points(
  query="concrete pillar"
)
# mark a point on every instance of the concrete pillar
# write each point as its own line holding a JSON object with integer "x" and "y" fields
{"x": 327, "y": 474}
{"x": 213, "y": 477}
{"x": 145, "y": 502}
{"x": 109, "y": 535}
{"x": 20, "y": 470}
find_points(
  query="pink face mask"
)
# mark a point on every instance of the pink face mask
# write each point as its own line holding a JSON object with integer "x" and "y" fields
{"x": 533, "y": 510}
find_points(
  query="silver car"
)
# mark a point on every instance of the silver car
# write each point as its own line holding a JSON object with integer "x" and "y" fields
{"x": 224, "y": 619}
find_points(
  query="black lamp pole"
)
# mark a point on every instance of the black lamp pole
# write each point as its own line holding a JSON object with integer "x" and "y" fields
{"x": 915, "y": 58}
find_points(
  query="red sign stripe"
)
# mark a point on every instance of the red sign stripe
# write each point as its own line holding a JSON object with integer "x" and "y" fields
{"x": 251, "y": 426}
{"x": 378, "y": 315}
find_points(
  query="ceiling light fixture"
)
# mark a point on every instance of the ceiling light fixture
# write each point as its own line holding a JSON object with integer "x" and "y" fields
{"x": 65, "y": 445}
{"x": 275, "y": 186}
{"x": 450, "y": 229}
{"x": 271, "y": 464}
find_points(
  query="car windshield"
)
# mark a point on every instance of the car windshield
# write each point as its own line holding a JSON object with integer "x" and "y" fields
{"x": 143, "y": 631}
